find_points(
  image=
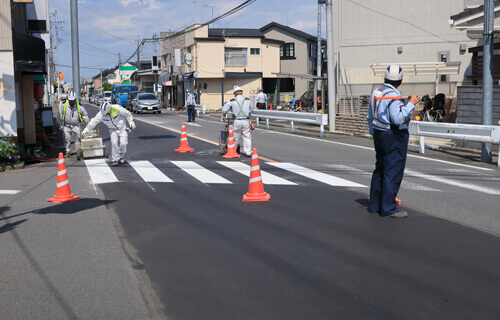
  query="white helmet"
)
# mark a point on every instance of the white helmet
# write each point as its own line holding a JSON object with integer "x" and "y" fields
{"x": 105, "y": 107}
{"x": 71, "y": 95}
{"x": 394, "y": 73}
{"x": 237, "y": 89}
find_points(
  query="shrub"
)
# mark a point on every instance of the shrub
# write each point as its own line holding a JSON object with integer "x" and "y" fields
{"x": 8, "y": 152}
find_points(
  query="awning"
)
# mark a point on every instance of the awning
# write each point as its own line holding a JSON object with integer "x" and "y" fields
{"x": 187, "y": 75}
{"x": 164, "y": 77}
{"x": 419, "y": 68}
{"x": 243, "y": 75}
{"x": 29, "y": 53}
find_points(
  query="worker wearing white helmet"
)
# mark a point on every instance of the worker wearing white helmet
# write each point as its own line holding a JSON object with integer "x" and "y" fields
{"x": 115, "y": 117}
{"x": 70, "y": 119}
{"x": 388, "y": 123}
{"x": 241, "y": 108}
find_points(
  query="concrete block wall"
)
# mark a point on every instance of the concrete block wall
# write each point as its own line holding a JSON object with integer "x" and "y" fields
{"x": 470, "y": 109}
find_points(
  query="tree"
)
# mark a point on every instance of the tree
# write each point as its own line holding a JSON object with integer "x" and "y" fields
{"x": 107, "y": 86}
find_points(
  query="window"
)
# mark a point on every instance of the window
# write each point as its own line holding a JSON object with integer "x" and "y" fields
{"x": 287, "y": 50}
{"x": 312, "y": 50}
{"x": 255, "y": 51}
{"x": 235, "y": 57}
{"x": 287, "y": 85}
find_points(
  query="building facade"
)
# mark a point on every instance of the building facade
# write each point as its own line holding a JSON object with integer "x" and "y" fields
{"x": 211, "y": 62}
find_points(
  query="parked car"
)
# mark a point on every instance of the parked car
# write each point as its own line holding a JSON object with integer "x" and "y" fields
{"x": 131, "y": 96}
{"x": 107, "y": 96}
{"x": 145, "y": 102}
{"x": 306, "y": 100}
{"x": 92, "y": 97}
{"x": 99, "y": 98}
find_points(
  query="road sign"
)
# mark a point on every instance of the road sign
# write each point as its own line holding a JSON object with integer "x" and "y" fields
{"x": 60, "y": 75}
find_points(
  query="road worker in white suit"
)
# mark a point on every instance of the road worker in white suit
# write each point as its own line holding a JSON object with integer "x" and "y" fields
{"x": 241, "y": 107}
{"x": 117, "y": 119}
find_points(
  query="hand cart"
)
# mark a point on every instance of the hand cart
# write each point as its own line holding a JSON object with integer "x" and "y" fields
{"x": 91, "y": 146}
{"x": 224, "y": 134}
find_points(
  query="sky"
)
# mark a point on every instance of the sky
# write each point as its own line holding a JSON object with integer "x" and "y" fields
{"x": 108, "y": 28}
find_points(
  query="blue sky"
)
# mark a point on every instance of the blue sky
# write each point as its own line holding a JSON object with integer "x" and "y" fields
{"x": 111, "y": 27}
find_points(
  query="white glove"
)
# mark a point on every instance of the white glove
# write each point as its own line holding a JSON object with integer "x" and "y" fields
{"x": 132, "y": 125}
{"x": 85, "y": 132}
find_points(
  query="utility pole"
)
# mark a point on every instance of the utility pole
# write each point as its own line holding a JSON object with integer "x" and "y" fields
{"x": 138, "y": 51}
{"x": 489, "y": 17}
{"x": 156, "y": 72}
{"x": 75, "y": 51}
{"x": 332, "y": 94}
{"x": 195, "y": 11}
{"x": 119, "y": 65}
{"x": 318, "y": 83}
{"x": 101, "y": 82}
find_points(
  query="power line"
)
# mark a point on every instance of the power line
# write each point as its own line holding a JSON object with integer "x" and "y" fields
{"x": 90, "y": 44}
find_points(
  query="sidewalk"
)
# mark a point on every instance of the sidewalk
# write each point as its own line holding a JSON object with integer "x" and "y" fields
{"x": 64, "y": 261}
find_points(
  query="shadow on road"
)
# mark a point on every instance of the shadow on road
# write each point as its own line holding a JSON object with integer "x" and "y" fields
{"x": 164, "y": 136}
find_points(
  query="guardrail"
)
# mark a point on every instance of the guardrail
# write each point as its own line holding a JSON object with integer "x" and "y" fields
{"x": 314, "y": 118}
{"x": 200, "y": 107}
{"x": 455, "y": 131}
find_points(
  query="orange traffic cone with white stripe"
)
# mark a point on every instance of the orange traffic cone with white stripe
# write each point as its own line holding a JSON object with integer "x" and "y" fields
{"x": 63, "y": 193}
{"x": 231, "y": 146}
{"x": 184, "y": 147}
{"x": 256, "y": 188}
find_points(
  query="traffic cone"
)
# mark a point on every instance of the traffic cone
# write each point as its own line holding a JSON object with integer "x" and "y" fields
{"x": 398, "y": 202}
{"x": 231, "y": 146}
{"x": 63, "y": 193}
{"x": 184, "y": 147}
{"x": 271, "y": 106}
{"x": 256, "y": 188}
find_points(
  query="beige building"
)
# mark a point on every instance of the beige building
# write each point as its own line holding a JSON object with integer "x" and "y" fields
{"x": 211, "y": 62}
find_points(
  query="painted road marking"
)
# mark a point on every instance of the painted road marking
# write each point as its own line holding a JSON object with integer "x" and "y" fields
{"x": 9, "y": 191}
{"x": 267, "y": 178}
{"x": 200, "y": 173}
{"x": 316, "y": 175}
{"x": 455, "y": 183}
{"x": 149, "y": 172}
{"x": 404, "y": 184}
{"x": 193, "y": 124}
{"x": 100, "y": 172}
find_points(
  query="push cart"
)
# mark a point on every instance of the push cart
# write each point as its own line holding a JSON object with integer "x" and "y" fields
{"x": 224, "y": 134}
{"x": 91, "y": 146}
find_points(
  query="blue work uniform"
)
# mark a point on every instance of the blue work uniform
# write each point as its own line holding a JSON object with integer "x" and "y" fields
{"x": 388, "y": 123}
{"x": 190, "y": 104}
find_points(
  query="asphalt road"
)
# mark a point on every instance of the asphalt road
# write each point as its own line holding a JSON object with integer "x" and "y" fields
{"x": 313, "y": 251}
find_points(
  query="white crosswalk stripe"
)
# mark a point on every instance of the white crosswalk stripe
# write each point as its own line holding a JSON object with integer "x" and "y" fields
{"x": 404, "y": 184}
{"x": 316, "y": 175}
{"x": 267, "y": 178}
{"x": 149, "y": 172}
{"x": 100, "y": 172}
{"x": 200, "y": 173}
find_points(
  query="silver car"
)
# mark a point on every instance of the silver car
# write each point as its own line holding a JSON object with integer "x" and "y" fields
{"x": 146, "y": 102}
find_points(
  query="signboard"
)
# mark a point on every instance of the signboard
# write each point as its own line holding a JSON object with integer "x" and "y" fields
{"x": 188, "y": 58}
{"x": 195, "y": 74}
{"x": 60, "y": 75}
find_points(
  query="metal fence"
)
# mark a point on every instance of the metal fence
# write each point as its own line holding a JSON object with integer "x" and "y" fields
{"x": 348, "y": 105}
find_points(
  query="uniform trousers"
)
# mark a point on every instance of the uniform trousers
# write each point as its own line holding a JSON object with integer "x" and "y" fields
{"x": 391, "y": 148}
{"x": 69, "y": 129}
{"x": 119, "y": 142}
{"x": 191, "y": 113}
{"x": 242, "y": 130}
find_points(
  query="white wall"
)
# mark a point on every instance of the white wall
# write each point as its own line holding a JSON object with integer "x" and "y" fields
{"x": 8, "y": 117}
{"x": 421, "y": 28}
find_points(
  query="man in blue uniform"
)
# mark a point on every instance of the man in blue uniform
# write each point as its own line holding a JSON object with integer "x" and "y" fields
{"x": 388, "y": 123}
{"x": 190, "y": 104}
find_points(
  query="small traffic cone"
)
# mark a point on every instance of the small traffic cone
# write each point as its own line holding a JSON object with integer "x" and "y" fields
{"x": 184, "y": 147}
{"x": 256, "y": 188}
{"x": 398, "y": 202}
{"x": 231, "y": 146}
{"x": 271, "y": 106}
{"x": 63, "y": 193}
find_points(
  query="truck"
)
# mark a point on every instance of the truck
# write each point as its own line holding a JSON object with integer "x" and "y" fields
{"x": 119, "y": 93}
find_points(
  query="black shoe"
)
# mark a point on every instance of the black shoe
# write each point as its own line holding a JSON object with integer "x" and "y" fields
{"x": 397, "y": 215}
{"x": 238, "y": 149}
{"x": 248, "y": 155}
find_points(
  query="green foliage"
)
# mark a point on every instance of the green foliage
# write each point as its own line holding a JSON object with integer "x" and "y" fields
{"x": 107, "y": 86}
{"x": 8, "y": 152}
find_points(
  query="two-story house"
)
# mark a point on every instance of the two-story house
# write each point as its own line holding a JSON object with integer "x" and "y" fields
{"x": 211, "y": 62}
{"x": 298, "y": 56}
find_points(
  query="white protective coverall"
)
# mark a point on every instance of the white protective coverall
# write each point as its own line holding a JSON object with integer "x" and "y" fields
{"x": 69, "y": 121}
{"x": 241, "y": 108}
{"x": 116, "y": 121}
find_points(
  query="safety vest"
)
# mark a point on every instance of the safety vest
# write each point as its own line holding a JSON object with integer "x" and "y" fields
{"x": 376, "y": 103}
{"x": 77, "y": 108}
{"x": 241, "y": 115}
